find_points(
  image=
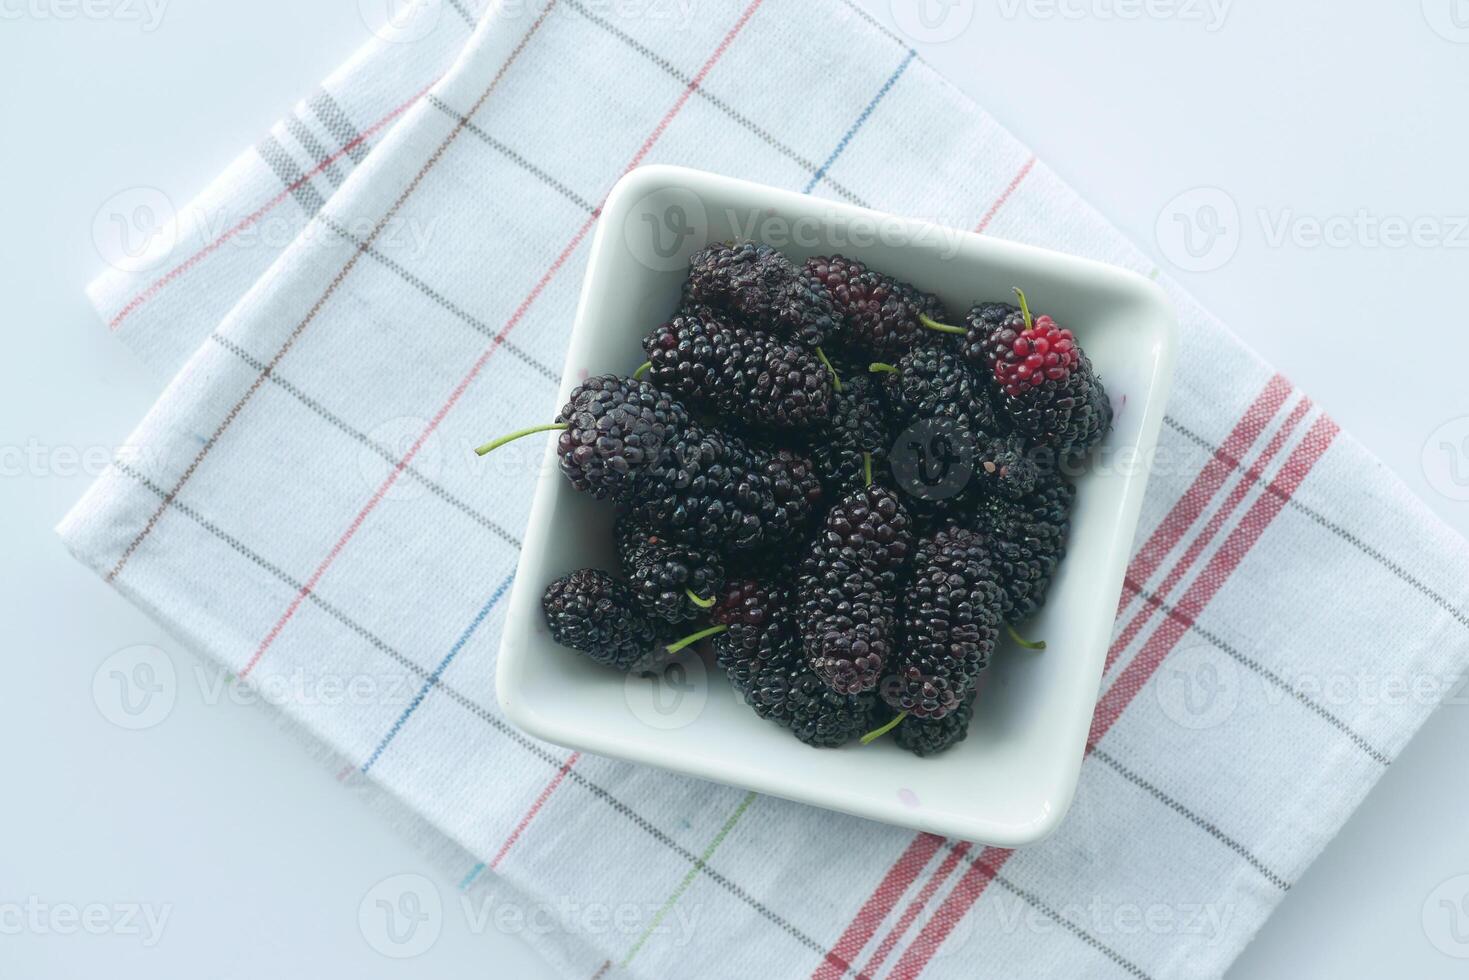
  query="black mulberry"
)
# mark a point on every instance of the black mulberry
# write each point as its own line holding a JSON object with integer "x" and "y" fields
{"x": 758, "y": 625}
{"x": 857, "y": 428}
{"x": 616, "y": 429}
{"x": 925, "y": 738}
{"x": 783, "y": 689}
{"x": 670, "y": 580}
{"x": 883, "y": 315}
{"x": 758, "y": 284}
{"x": 1006, "y": 467}
{"x": 712, "y": 490}
{"x": 1026, "y": 540}
{"x": 933, "y": 383}
{"x": 847, "y": 589}
{"x": 738, "y": 372}
{"x": 951, "y": 616}
{"x": 593, "y": 613}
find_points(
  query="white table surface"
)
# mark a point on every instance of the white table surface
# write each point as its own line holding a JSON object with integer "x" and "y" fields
{"x": 1308, "y": 110}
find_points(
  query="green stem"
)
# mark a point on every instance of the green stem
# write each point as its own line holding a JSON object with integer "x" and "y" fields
{"x": 643, "y": 369}
{"x": 699, "y": 600}
{"x": 836, "y": 379}
{"x": 1025, "y": 308}
{"x": 878, "y": 367}
{"x": 689, "y": 641}
{"x": 932, "y": 324}
{"x": 1028, "y": 644}
{"x": 867, "y": 468}
{"x": 490, "y": 447}
{"x": 873, "y": 736}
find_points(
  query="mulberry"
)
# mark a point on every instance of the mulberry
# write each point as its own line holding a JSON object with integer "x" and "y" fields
{"x": 741, "y": 373}
{"x": 758, "y": 284}
{"x": 847, "y": 588}
{"x": 951, "y": 616}
{"x": 671, "y": 581}
{"x": 883, "y": 315}
{"x": 591, "y": 612}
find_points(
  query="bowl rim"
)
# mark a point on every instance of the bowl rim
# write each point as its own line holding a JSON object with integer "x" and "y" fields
{"x": 524, "y": 714}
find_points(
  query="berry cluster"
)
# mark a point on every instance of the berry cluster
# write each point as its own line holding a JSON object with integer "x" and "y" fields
{"x": 849, "y": 499}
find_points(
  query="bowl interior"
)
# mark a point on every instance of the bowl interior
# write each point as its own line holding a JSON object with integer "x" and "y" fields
{"x": 1017, "y": 770}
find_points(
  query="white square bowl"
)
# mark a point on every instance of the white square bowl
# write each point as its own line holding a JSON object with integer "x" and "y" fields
{"x": 1012, "y": 780}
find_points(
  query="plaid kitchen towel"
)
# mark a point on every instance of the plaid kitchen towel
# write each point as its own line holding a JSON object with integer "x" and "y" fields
{"x": 309, "y": 510}
{"x": 183, "y": 267}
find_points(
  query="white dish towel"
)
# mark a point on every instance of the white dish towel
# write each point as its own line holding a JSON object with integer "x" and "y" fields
{"x": 308, "y": 509}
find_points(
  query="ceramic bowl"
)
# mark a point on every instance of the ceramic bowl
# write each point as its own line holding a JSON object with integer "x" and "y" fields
{"x": 1012, "y": 780}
